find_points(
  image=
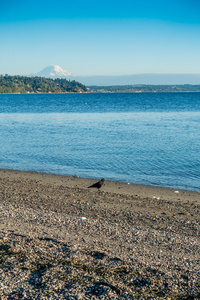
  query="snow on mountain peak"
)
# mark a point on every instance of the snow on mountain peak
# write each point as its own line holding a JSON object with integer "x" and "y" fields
{"x": 54, "y": 71}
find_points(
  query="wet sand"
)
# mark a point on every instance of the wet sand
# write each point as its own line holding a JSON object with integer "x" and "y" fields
{"x": 125, "y": 241}
{"x": 143, "y": 191}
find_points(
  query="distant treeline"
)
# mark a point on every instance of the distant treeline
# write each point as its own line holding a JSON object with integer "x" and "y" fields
{"x": 145, "y": 88}
{"x": 23, "y": 84}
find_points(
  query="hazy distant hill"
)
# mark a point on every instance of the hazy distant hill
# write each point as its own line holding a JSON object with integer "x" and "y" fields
{"x": 148, "y": 79}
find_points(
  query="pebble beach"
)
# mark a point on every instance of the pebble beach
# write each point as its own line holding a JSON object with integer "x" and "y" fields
{"x": 61, "y": 240}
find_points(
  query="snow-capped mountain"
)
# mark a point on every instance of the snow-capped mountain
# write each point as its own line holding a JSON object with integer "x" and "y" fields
{"x": 53, "y": 71}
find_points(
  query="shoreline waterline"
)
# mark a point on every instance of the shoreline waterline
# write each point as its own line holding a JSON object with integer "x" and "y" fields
{"x": 146, "y": 139}
{"x": 115, "y": 187}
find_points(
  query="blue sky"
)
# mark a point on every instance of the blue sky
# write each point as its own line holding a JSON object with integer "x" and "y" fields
{"x": 100, "y": 37}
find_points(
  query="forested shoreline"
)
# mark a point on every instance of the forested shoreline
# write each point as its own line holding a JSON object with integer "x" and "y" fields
{"x": 146, "y": 88}
{"x": 23, "y": 84}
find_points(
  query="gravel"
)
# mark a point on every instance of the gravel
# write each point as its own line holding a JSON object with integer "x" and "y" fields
{"x": 60, "y": 242}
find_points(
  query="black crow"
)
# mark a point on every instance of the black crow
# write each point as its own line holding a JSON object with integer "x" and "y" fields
{"x": 98, "y": 184}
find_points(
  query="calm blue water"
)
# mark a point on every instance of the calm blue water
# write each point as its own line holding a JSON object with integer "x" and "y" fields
{"x": 142, "y": 138}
